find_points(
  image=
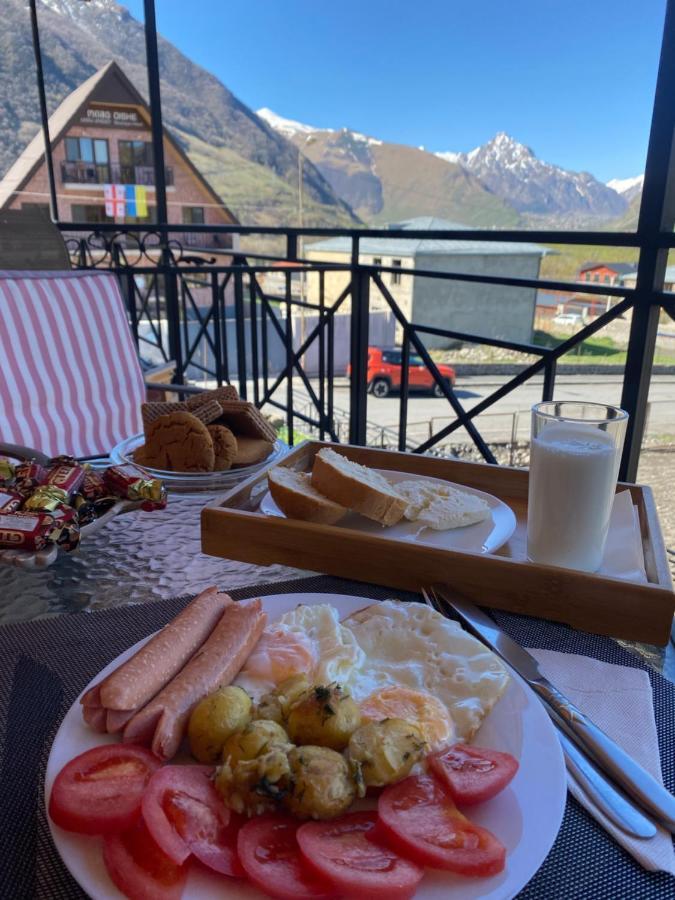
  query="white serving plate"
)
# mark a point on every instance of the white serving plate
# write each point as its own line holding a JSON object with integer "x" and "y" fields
{"x": 483, "y": 537}
{"x": 525, "y": 817}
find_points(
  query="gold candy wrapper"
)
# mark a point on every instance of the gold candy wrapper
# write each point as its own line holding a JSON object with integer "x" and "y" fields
{"x": 6, "y": 471}
{"x": 46, "y": 499}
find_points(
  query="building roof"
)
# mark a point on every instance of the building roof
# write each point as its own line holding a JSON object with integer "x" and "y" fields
{"x": 669, "y": 276}
{"x": 621, "y": 268}
{"x": 421, "y": 246}
{"x": 60, "y": 120}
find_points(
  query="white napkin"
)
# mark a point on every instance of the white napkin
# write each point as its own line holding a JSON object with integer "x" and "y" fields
{"x": 623, "y": 556}
{"x": 619, "y": 700}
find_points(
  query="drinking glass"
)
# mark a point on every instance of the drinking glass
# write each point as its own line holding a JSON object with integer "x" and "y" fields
{"x": 575, "y": 451}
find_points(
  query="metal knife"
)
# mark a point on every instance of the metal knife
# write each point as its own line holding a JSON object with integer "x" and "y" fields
{"x": 614, "y": 761}
{"x": 612, "y": 802}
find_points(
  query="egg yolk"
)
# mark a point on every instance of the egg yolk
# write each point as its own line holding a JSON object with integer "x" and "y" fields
{"x": 279, "y": 655}
{"x": 423, "y": 710}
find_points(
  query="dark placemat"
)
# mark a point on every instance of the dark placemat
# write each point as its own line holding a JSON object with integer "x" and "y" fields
{"x": 44, "y": 665}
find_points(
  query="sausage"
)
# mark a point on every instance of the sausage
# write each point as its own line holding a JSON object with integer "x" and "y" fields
{"x": 164, "y": 720}
{"x": 148, "y": 670}
{"x": 116, "y": 719}
{"x": 108, "y": 705}
{"x": 95, "y": 717}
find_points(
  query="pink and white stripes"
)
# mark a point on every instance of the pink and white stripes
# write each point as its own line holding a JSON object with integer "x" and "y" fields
{"x": 70, "y": 381}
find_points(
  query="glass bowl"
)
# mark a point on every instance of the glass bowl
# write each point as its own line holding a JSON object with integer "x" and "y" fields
{"x": 195, "y": 482}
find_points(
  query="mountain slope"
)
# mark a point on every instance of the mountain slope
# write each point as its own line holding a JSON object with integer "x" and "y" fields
{"x": 383, "y": 182}
{"x": 512, "y": 171}
{"x": 78, "y": 38}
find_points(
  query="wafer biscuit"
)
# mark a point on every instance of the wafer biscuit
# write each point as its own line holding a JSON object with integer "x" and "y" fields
{"x": 208, "y": 412}
{"x": 245, "y": 419}
{"x": 226, "y": 392}
{"x": 153, "y": 410}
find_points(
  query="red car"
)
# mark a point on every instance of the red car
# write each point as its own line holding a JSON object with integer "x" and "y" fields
{"x": 384, "y": 372}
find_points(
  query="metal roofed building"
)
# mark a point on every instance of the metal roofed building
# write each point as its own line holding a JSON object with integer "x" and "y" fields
{"x": 490, "y": 310}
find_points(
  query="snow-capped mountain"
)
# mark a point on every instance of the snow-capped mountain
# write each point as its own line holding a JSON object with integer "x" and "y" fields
{"x": 627, "y": 187}
{"x": 513, "y": 172}
{"x": 287, "y": 127}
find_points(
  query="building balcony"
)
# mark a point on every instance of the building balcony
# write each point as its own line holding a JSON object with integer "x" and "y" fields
{"x": 94, "y": 173}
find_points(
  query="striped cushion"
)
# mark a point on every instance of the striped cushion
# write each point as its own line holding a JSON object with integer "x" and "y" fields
{"x": 70, "y": 378}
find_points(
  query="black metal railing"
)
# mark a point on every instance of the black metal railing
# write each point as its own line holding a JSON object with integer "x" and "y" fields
{"x": 219, "y": 323}
{"x": 111, "y": 173}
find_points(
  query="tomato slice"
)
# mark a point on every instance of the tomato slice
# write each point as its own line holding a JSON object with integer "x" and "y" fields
{"x": 472, "y": 774}
{"x": 421, "y": 821}
{"x": 348, "y": 853}
{"x": 184, "y": 814}
{"x": 269, "y": 852}
{"x": 100, "y": 791}
{"x": 139, "y": 868}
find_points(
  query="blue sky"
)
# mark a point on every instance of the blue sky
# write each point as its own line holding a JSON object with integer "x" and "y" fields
{"x": 573, "y": 80}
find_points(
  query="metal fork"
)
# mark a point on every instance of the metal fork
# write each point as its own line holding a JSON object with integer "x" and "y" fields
{"x": 613, "y": 803}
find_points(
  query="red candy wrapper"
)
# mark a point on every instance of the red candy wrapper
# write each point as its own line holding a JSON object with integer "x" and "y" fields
{"x": 26, "y": 530}
{"x": 93, "y": 486}
{"x": 133, "y": 483}
{"x": 28, "y": 476}
{"x": 9, "y": 501}
{"x": 67, "y": 477}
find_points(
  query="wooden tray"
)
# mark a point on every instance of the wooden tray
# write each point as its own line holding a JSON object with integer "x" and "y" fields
{"x": 506, "y": 580}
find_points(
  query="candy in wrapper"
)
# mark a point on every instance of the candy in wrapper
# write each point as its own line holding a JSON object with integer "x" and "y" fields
{"x": 10, "y": 501}
{"x": 66, "y": 476}
{"x": 27, "y": 530}
{"x": 85, "y": 509}
{"x": 46, "y": 498}
{"x": 66, "y": 532}
{"x": 28, "y": 476}
{"x": 93, "y": 485}
{"x": 6, "y": 471}
{"x": 134, "y": 483}
{"x": 62, "y": 460}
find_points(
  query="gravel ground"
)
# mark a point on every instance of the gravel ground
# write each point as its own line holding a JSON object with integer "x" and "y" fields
{"x": 657, "y": 469}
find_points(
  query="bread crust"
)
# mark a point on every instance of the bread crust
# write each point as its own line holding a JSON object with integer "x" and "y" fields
{"x": 350, "y": 491}
{"x": 297, "y": 502}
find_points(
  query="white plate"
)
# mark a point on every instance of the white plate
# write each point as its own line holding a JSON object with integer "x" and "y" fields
{"x": 525, "y": 817}
{"x": 483, "y": 537}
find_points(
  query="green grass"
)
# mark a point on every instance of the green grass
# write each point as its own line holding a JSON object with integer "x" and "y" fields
{"x": 564, "y": 263}
{"x": 595, "y": 350}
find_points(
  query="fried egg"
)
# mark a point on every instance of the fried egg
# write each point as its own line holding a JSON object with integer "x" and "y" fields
{"x": 308, "y": 640}
{"x": 410, "y": 647}
{"x": 427, "y": 712}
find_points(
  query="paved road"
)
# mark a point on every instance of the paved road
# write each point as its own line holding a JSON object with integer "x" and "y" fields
{"x": 496, "y": 423}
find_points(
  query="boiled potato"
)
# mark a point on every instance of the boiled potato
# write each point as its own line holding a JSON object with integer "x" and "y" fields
{"x": 253, "y": 740}
{"x": 325, "y": 716}
{"x": 385, "y": 751}
{"x": 320, "y": 785}
{"x": 277, "y": 703}
{"x": 255, "y": 786}
{"x": 214, "y": 719}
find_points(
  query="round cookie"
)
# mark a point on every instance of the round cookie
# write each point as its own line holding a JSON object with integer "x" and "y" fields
{"x": 251, "y": 450}
{"x": 224, "y": 446}
{"x": 179, "y": 442}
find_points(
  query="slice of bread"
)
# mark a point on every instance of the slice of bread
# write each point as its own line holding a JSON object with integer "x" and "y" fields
{"x": 296, "y": 498}
{"x": 357, "y": 487}
{"x": 440, "y": 506}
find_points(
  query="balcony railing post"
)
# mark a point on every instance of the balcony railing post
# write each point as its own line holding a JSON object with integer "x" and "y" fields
{"x": 657, "y": 215}
{"x": 240, "y": 331}
{"x": 170, "y": 276}
{"x": 44, "y": 114}
{"x": 358, "y": 356}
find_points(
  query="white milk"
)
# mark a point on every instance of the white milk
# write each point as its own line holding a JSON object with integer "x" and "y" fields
{"x": 573, "y": 471}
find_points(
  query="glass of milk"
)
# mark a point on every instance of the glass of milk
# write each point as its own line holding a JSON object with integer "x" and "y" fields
{"x": 575, "y": 452}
